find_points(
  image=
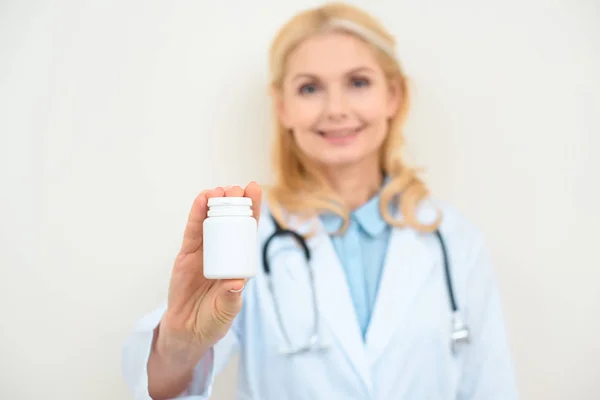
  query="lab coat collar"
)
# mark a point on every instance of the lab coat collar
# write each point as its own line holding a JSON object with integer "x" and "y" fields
{"x": 367, "y": 216}
{"x": 406, "y": 268}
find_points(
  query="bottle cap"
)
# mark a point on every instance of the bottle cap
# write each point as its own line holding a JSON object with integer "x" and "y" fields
{"x": 229, "y": 201}
{"x": 229, "y": 207}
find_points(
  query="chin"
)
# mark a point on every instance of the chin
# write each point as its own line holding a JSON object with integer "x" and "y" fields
{"x": 328, "y": 155}
{"x": 341, "y": 159}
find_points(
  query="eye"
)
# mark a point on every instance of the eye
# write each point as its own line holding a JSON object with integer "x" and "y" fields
{"x": 308, "y": 88}
{"x": 359, "y": 82}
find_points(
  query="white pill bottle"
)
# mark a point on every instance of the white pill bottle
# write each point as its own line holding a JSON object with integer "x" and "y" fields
{"x": 230, "y": 242}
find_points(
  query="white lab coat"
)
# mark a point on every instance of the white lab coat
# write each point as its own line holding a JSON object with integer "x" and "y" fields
{"x": 406, "y": 353}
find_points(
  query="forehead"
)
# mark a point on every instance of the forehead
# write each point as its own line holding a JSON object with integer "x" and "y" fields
{"x": 330, "y": 54}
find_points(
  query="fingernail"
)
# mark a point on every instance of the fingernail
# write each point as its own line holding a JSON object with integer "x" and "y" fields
{"x": 238, "y": 290}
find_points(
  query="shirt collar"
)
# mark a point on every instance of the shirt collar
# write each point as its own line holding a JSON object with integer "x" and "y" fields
{"x": 367, "y": 216}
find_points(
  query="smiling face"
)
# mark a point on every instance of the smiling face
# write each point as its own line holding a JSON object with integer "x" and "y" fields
{"x": 336, "y": 100}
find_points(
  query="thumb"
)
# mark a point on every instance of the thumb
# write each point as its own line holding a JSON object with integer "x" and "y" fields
{"x": 234, "y": 285}
{"x": 229, "y": 300}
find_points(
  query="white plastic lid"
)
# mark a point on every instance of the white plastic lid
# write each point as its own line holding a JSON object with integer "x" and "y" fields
{"x": 229, "y": 207}
{"x": 230, "y": 201}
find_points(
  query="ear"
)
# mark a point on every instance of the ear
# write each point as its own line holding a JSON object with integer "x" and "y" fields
{"x": 279, "y": 106}
{"x": 395, "y": 97}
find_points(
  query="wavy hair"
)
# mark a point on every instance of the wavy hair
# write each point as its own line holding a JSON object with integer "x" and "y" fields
{"x": 300, "y": 186}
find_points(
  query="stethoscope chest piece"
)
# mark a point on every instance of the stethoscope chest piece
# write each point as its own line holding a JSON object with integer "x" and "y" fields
{"x": 460, "y": 331}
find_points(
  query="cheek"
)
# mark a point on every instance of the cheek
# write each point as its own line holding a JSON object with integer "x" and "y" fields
{"x": 371, "y": 108}
{"x": 303, "y": 113}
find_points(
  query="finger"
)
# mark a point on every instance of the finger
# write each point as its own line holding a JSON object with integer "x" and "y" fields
{"x": 254, "y": 191}
{"x": 192, "y": 236}
{"x": 228, "y": 302}
{"x": 234, "y": 191}
{"x": 216, "y": 192}
{"x": 230, "y": 296}
{"x": 193, "y": 228}
{"x": 233, "y": 285}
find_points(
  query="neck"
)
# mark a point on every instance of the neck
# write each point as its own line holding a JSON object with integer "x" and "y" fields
{"x": 356, "y": 184}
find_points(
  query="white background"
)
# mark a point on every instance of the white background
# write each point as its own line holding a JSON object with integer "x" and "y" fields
{"x": 114, "y": 114}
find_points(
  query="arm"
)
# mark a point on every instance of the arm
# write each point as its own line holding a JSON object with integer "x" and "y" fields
{"x": 187, "y": 376}
{"x": 175, "y": 351}
{"x": 488, "y": 370}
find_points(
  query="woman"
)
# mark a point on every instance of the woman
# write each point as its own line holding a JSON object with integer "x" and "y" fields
{"x": 384, "y": 320}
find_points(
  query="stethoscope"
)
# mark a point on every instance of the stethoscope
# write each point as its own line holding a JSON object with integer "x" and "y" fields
{"x": 460, "y": 332}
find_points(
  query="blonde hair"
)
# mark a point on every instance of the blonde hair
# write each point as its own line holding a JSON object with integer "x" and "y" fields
{"x": 300, "y": 186}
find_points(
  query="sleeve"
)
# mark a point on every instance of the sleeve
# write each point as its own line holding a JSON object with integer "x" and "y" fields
{"x": 136, "y": 352}
{"x": 487, "y": 370}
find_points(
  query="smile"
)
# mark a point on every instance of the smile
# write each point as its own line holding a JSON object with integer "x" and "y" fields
{"x": 340, "y": 133}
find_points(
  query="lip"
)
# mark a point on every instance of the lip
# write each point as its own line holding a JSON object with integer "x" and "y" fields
{"x": 340, "y": 132}
{"x": 340, "y": 136}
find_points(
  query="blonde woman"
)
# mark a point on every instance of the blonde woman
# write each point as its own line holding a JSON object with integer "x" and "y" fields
{"x": 397, "y": 299}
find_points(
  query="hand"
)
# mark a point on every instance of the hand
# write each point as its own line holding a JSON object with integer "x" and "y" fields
{"x": 200, "y": 311}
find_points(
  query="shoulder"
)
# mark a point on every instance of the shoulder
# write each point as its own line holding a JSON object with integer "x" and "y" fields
{"x": 266, "y": 225}
{"x": 463, "y": 238}
{"x": 453, "y": 220}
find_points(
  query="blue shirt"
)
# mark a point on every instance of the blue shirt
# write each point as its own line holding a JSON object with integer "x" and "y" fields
{"x": 361, "y": 251}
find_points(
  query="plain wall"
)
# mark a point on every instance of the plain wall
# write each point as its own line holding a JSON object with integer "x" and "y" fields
{"x": 115, "y": 114}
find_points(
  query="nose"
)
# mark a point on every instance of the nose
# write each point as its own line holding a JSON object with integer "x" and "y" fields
{"x": 336, "y": 106}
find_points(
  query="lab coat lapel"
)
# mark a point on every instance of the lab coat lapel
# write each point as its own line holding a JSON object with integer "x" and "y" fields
{"x": 336, "y": 305}
{"x": 406, "y": 268}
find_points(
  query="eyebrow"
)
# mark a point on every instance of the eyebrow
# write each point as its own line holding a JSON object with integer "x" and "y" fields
{"x": 350, "y": 72}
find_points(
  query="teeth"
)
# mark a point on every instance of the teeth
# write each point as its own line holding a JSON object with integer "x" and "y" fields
{"x": 346, "y": 132}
